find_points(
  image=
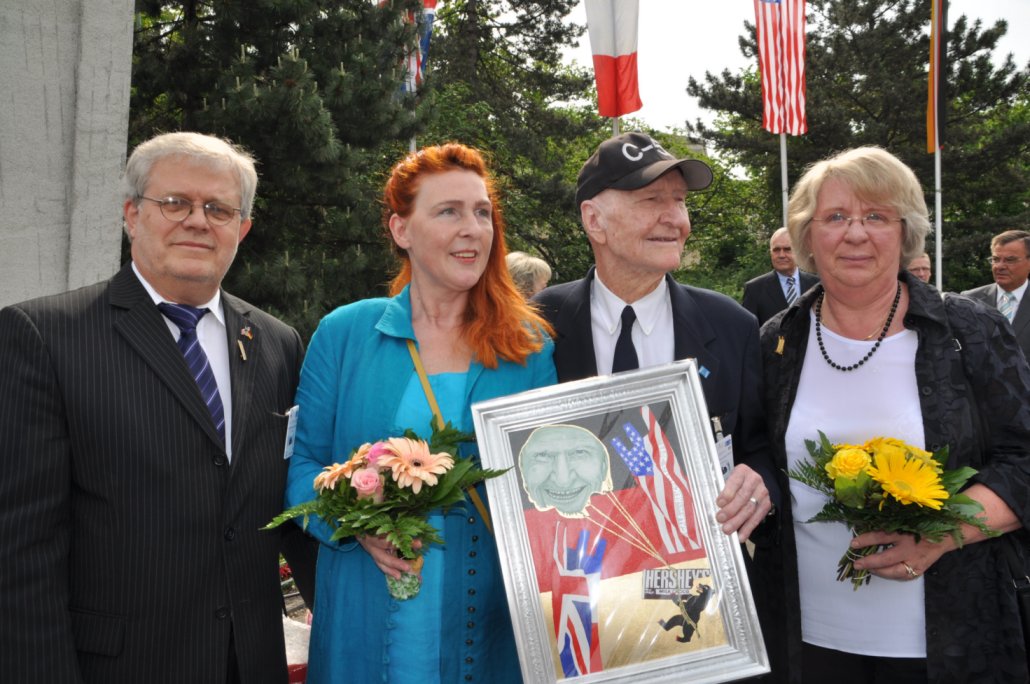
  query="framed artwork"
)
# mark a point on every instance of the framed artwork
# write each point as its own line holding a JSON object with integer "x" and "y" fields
{"x": 614, "y": 565}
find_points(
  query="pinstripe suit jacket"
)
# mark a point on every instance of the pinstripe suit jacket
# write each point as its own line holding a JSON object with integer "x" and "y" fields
{"x": 130, "y": 547}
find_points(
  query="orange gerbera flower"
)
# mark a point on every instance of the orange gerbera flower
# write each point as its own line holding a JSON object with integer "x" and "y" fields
{"x": 412, "y": 464}
{"x": 332, "y": 474}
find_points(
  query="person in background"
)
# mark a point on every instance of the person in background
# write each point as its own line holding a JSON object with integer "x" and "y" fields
{"x": 530, "y": 273}
{"x": 768, "y": 294}
{"x": 919, "y": 266}
{"x": 629, "y": 313}
{"x": 143, "y": 431}
{"x": 1010, "y": 264}
{"x": 453, "y": 306}
{"x": 875, "y": 352}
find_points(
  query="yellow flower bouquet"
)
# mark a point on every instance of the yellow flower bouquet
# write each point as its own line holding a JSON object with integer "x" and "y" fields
{"x": 886, "y": 484}
{"x": 389, "y": 488}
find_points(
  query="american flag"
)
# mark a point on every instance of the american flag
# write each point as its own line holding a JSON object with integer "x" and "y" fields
{"x": 575, "y": 581}
{"x": 780, "y": 28}
{"x": 652, "y": 461}
{"x": 415, "y": 59}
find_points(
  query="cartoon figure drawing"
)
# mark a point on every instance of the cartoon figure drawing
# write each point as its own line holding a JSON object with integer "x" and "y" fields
{"x": 690, "y": 606}
{"x": 562, "y": 466}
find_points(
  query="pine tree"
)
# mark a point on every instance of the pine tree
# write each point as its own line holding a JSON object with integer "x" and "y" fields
{"x": 311, "y": 89}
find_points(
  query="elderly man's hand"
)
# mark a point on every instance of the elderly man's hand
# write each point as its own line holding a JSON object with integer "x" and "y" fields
{"x": 743, "y": 503}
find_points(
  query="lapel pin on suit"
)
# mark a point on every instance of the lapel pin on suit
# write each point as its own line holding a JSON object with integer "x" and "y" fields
{"x": 244, "y": 332}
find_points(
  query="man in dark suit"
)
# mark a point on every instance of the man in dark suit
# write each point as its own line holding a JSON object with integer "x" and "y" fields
{"x": 769, "y": 294}
{"x": 629, "y": 313}
{"x": 1010, "y": 264}
{"x": 142, "y": 454}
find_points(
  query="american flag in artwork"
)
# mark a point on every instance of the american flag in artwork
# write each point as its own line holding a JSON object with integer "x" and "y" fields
{"x": 575, "y": 587}
{"x": 652, "y": 461}
{"x": 780, "y": 29}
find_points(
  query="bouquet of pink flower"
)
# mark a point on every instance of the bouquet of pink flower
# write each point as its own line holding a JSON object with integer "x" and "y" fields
{"x": 388, "y": 489}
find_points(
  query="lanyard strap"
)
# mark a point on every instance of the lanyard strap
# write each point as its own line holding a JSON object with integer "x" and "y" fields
{"x": 477, "y": 500}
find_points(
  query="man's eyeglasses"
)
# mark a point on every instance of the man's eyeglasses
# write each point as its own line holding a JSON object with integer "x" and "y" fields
{"x": 178, "y": 209}
{"x": 870, "y": 220}
{"x": 1008, "y": 261}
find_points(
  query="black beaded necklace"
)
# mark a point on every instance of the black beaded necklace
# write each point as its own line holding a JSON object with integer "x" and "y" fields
{"x": 883, "y": 333}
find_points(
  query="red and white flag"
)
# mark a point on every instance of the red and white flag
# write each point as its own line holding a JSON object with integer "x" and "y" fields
{"x": 780, "y": 26}
{"x": 613, "y": 41}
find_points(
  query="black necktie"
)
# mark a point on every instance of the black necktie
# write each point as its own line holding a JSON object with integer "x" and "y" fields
{"x": 625, "y": 353}
{"x": 186, "y": 318}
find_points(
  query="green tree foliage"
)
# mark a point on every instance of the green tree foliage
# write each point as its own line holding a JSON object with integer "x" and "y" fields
{"x": 311, "y": 88}
{"x": 866, "y": 70}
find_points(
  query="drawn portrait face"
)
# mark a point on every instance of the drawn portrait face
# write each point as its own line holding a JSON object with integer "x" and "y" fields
{"x": 562, "y": 467}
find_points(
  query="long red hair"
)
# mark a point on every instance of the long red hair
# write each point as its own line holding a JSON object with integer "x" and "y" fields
{"x": 499, "y": 322}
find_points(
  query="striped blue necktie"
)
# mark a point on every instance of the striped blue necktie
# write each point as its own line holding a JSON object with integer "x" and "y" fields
{"x": 792, "y": 292}
{"x": 187, "y": 317}
{"x": 1007, "y": 306}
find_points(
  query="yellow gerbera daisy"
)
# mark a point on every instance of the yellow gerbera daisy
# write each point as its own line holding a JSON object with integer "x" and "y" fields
{"x": 909, "y": 480}
{"x": 412, "y": 464}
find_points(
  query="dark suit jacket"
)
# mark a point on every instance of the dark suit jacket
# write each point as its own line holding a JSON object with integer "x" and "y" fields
{"x": 988, "y": 294}
{"x": 764, "y": 297}
{"x": 130, "y": 548}
{"x": 709, "y": 327}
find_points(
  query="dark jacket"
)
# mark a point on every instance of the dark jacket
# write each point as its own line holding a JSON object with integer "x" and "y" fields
{"x": 130, "y": 545}
{"x": 973, "y": 386}
{"x": 764, "y": 297}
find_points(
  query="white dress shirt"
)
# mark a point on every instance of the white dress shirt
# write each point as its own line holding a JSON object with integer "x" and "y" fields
{"x": 653, "y": 335}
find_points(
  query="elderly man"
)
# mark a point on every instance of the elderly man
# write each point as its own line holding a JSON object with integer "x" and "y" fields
{"x": 143, "y": 428}
{"x": 920, "y": 267}
{"x": 1010, "y": 265}
{"x": 771, "y": 293}
{"x": 629, "y": 313}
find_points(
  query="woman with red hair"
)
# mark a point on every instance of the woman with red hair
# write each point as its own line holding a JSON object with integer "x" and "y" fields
{"x": 476, "y": 338}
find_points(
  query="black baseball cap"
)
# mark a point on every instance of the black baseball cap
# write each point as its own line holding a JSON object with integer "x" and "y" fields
{"x": 631, "y": 161}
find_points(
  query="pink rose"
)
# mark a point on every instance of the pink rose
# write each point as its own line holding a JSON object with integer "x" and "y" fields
{"x": 378, "y": 449}
{"x": 368, "y": 483}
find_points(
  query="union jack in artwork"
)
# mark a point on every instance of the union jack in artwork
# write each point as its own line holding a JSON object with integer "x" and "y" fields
{"x": 576, "y": 581}
{"x": 652, "y": 461}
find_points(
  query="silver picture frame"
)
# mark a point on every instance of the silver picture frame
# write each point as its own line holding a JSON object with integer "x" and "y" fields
{"x": 625, "y": 552}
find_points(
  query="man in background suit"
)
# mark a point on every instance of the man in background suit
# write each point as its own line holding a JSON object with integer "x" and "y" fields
{"x": 137, "y": 473}
{"x": 1010, "y": 264}
{"x": 769, "y": 294}
{"x": 629, "y": 313}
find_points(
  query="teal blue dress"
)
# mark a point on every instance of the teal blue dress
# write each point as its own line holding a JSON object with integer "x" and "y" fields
{"x": 359, "y": 385}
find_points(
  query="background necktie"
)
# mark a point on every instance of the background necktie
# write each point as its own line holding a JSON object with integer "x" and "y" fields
{"x": 1008, "y": 305}
{"x": 625, "y": 353}
{"x": 187, "y": 317}
{"x": 792, "y": 292}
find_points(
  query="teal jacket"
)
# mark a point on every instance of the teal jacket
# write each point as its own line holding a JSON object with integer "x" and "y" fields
{"x": 355, "y": 373}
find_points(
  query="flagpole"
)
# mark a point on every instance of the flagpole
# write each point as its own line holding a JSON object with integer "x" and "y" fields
{"x": 939, "y": 251}
{"x": 783, "y": 174}
{"x": 615, "y": 126}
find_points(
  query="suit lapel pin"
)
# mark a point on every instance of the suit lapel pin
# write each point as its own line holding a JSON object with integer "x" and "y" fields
{"x": 243, "y": 352}
{"x": 245, "y": 332}
{"x": 779, "y": 345}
